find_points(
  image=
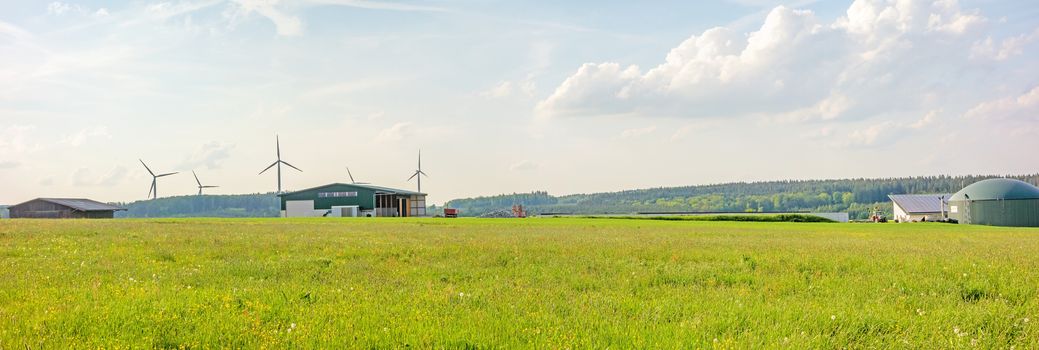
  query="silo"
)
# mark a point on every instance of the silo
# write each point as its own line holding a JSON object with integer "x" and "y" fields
{"x": 997, "y": 202}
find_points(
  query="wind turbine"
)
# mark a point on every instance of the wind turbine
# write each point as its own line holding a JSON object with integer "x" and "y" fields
{"x": 200, "y": 187}
{"x": 278, "y": 162}
{"x": 352, "y": 178}
{"x": 418, "y": 172}
{"x": 154, "y": 191}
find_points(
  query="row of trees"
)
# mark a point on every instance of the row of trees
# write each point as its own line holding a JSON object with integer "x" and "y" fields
{"x": 858, "y": 197}
{"x": 227, "y": 206}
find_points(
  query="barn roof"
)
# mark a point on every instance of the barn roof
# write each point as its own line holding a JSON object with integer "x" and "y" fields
{"x": 80, "y": 204}
{"x": 920, "y": 203}
{"x": 366, "y": 186}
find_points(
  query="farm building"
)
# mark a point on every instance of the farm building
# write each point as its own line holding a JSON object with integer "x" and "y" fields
{"x": 4, "y": 213}
{"x": 918, "y": 207}
{"x": 63, "y": 208}
{"x": 998, "y": 202}
{"x": 339, "y": 199}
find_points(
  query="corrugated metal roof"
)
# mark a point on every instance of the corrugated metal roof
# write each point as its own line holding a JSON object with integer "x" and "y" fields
{"x": 367, "y": 186}
{"x": 919, "y": 203}
{"x": 82, "y": 204}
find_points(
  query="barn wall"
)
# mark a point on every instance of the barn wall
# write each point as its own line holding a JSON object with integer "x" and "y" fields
{"x": 365, "y": 197}
{"x": 37, "y": 209}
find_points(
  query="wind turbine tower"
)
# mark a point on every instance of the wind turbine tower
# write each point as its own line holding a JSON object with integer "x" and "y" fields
{"x": 200, "y": 186}
{"x": 153, "y": 191}
{"x": 279, "y": 162}
{"x": 418, "y": 172}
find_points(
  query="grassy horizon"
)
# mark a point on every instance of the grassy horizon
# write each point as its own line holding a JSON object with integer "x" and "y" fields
{"x": 501, "y": 283}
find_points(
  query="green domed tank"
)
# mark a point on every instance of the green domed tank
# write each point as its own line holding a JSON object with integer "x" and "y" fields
{"x": 997, "y": 202}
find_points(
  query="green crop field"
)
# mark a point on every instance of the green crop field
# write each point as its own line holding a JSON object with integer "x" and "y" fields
{"x": 534, "y": 283}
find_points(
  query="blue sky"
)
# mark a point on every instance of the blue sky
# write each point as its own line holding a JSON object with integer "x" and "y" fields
{"x": 509, "y": 96}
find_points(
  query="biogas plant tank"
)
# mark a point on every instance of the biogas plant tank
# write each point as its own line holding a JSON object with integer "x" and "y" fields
{"x": 997, "y": 202}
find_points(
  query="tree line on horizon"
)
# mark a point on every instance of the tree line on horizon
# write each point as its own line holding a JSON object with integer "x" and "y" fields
{"x": 858, "y": 197}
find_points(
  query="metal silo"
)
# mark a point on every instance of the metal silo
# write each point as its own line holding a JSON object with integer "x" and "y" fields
{"x": 997, "y": 202}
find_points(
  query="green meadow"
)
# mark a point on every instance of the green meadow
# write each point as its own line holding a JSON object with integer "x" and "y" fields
{"x": 500, "y": 283}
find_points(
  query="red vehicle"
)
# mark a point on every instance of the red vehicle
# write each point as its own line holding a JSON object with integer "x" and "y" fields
{"x": 450, "y": 213}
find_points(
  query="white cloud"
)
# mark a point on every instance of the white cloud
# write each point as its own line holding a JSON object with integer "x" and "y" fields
{"x": 508, "y": 88}
{"x": 885, "y": 132}
{"x": 286, "y": 24}
{"x": 59, "y": 8}
{"x": 211, "y": 155}
{"x": 101, "y": 12}
{"x": 881, "y": 54}
{"x": 77, "y": 139}
{"x": 14, "y": 139}
{"x": 1009, "y": 47}
{"x": 638, "y": 132}
{"x": 523, "y": 165}
{"x": 1024, "y": 107}
{"x": 397, "y": 132}
{"x": 379, "y": 5}
{"x": 84, "y": 177}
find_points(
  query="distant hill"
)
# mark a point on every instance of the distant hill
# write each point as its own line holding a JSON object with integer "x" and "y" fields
{"x": 855, "y": 196}
{"x": 219, "y": 206}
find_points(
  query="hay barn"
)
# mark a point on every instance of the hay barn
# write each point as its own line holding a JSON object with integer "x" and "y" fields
{"x": 63, "y": 208}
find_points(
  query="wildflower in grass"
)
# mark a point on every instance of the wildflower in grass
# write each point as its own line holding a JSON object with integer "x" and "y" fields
{"x": 833, "y": 317}
{"x": 460, "y": 294}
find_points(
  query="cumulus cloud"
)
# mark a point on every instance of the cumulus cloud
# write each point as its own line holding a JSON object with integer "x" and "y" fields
{"x": 523, "y": 165}
{"x": 396, "y": 132}
{"x": 795, "y": 67}
{"x": 638, "y": 132}
{"x": 9, "y": 164}
{"x": 59, "y": 8}
{"x": 77, "y": 139}
{"x": 1023, "y": 107}
{"x": 288, "y": 24}
{"x": 14, "y": 139}
{"x": 210, "y": 155}
{"x": 886, "y": 131}
{"x": 85, "y": 177}
{"x": 509, "y": 88}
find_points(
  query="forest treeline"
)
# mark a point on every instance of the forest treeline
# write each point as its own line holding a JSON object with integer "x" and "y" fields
{"x": 858, "y": 197}
{"x": 855, "y": 196}
{"x": 218, "y": 206}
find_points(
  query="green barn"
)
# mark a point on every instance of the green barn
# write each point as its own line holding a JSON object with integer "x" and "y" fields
{"x": 340, "y": 199}
{"x": 997, "y": 202}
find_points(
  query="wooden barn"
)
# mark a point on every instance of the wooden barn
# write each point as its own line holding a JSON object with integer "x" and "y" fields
{"x": 63, "y": 208}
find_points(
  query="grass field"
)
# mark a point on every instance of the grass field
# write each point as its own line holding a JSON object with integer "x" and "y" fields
{"x": 541, "y": 283}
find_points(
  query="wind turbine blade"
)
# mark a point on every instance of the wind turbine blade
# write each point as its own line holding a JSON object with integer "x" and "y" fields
{"x": 423, "y": 173}
{"x": 290, "y": 165}
{"x": 351, "y": 175}
{"x": 277, "y": 141}
{"x": 210, "y": 186}
{"x": 413, "y": 176}
{"x": 147, "y": 168}
{"x": 196, "y": 177}
{"x": 167, "y": 174}
{"x": 150, "y": 188}
{"x": 268, "y": 168}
